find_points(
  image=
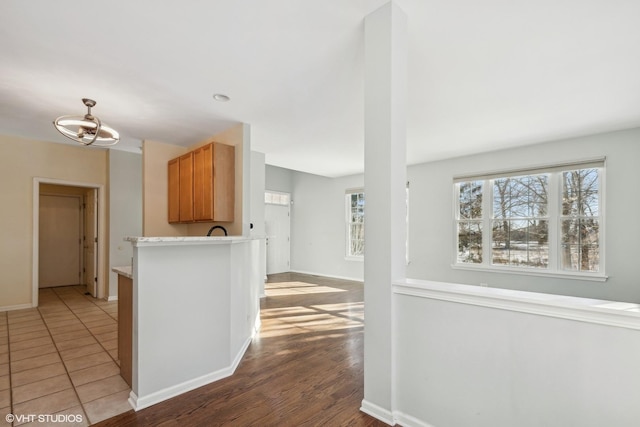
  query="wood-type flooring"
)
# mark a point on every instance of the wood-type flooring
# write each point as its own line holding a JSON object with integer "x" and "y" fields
{"x": 304, "y": 368}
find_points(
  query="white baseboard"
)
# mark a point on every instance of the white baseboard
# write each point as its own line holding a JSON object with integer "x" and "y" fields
{"x": 138, "y": 403}
{"x": 409, "y": 421}
{"x": 15, "y": 307}
{"x": 377, "y": 412}
{"x": 112, "y": 298}
{"x": 353, "y": 279}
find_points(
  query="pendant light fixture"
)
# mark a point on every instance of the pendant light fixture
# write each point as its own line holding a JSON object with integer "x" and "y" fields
{"x": 87, "y": 129}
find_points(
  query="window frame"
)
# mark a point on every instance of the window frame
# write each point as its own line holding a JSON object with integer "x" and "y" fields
{"x": 554, "y": 214}
{"x": 347, "y": 200}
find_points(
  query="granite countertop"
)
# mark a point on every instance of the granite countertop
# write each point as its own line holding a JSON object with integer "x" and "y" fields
{"x": 186, "y": 240}
{"x": 123, "y": 271}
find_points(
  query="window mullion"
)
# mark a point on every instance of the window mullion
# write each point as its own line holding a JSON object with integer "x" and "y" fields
{"x": 554, "y": 211}
{"x": 487, "y": 215}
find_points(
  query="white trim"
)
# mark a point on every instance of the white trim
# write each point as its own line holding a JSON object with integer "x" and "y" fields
{"x": 111, "y": 298}
{"x": 138, "y": 403}
{"x": 15, "y": 307}
{"x": 377, "y": 412}
{"x": 354, "y": 258}
{"x": 331, "y": 276}
{"x": 102, "y": 234}
{"x": 553, "y": 218}
{"x": 610, "y": 313}
{"x": 408, "y": 421}
{"x": 523, "y": 271}
{"x": 594, "y": 162}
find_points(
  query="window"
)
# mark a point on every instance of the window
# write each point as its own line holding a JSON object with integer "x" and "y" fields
{"x": 543, "y": 220}
{"x": 273, "y": 198}
{"x": 355, "y": 223}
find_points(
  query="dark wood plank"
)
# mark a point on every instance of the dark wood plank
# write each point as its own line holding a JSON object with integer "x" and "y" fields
{"x": 305, "y": 368}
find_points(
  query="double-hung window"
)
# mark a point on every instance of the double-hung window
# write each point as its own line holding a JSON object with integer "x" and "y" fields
{"x": 545, "y": 220}
{"x": 355, "y": 223}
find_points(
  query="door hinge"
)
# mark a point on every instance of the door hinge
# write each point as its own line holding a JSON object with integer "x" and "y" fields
{"x": 95, "y": 239}
{"x": 95, "y": 279}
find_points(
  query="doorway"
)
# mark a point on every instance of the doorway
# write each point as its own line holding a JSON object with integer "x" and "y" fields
{"x": 68, "y": 226}
{"x": 60, "y": 240}
{"x": 277, "y": 217}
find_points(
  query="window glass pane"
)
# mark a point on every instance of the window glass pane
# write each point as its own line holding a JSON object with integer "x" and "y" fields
{"x": 355, "y": 226}
{"x": 520, "y": 196}
{"x": 470, "y": 200}
{"x": 580, "y": 244}
{"x": 356, "y": 234}
{"x": 470, "y": 242}
{"x": 520, "y": 243}
{"x": 580, "y": 192}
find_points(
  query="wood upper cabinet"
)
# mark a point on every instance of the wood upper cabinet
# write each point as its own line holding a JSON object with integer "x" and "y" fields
{"x": 213, "y": 182}
{"x": 174, "y": 190}
{"x": 206, "y": 184}
{"x": 186, "y": 187}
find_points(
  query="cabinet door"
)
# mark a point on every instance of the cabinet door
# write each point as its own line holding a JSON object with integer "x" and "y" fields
{"x": 223, "y": 182}
{"x": 186, "y": 187}
{"x": 203, "y": 183}
{"x": 174, "y": 190}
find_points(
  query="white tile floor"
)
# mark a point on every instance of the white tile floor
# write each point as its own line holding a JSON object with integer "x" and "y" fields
{"x": 61, "y": 358}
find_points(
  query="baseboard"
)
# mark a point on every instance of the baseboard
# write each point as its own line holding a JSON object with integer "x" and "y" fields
{"x": 311, "y": 273}
{"x": 112, "y": 298}
{"x": 138, "y": 403}
{"x": 15, "y": 307}
{"x": 377, "y": 412}
{"x": 409, "y": 421}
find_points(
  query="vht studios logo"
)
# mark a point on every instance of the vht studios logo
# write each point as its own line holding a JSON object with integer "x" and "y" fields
{"x": 43, "y": 418}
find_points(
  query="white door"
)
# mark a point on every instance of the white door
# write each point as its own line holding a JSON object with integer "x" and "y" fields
{"x": 277, "y": 226}
{"x": 91, "y": 241}
{"x": 59, "y": 241}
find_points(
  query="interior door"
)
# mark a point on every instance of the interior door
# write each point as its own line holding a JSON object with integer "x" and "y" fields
{"x": 91, "y": 241}
{"x": 277, "y": 228}
{"x": 59, "y": 241}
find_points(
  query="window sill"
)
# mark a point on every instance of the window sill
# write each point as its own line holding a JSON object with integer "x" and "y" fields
{"x": 592, "y": 277}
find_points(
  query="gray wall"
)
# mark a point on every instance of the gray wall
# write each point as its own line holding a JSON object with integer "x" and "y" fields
{"x": 125, "y": 209}
{"x": 431, "y": 241}
{"x": 317, "y": 221}
{"x": 317, "y": 225}
{"x": 278, "y": 179}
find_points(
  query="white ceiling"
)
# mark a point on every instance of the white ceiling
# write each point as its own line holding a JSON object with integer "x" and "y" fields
{"x": 483, "y": 75}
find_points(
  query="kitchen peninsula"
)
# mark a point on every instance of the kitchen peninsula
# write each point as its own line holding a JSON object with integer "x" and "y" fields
{"x": 195, "y": 309}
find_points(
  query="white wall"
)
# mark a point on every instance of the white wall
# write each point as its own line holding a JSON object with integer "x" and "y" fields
{"x": 477, "y": 358}
{"x": 258, "y": 176}
{"x": 318, "y": 226}
{"x": 278, "y": 179}
{"x": 317, "y": 221}
{"x": 431, "y": 240}
{"x": 125, "y": 209}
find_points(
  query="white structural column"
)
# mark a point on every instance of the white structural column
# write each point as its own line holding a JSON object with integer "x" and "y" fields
{"x": 385, "y": 193}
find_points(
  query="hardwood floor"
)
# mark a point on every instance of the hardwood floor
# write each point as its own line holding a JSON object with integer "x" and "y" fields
{"x": 304, "y": 368}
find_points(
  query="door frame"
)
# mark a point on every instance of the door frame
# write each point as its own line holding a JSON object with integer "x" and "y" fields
{"x": 288, "y": 206}
{"x": 102, "y": 248}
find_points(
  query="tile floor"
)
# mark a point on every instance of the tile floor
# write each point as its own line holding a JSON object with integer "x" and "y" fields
{"x": 61, "y": 358}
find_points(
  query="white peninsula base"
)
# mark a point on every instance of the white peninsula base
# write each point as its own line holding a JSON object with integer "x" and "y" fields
{"x": 195, "y": 310}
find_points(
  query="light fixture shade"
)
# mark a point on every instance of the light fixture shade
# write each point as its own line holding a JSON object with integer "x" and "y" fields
{"x": 87, "y": 129}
